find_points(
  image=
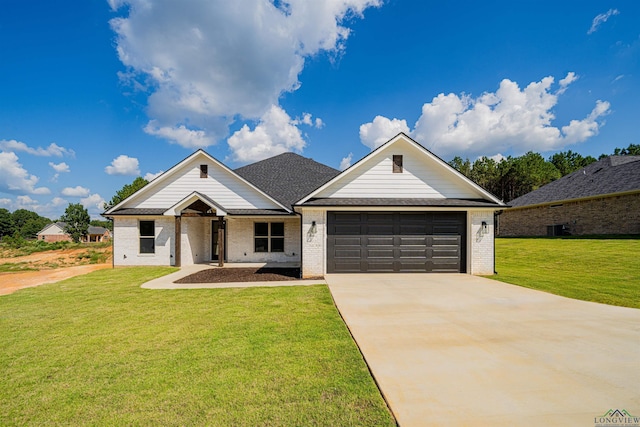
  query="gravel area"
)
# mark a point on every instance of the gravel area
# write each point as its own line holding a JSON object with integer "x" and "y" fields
{"x": 232, "y": 275}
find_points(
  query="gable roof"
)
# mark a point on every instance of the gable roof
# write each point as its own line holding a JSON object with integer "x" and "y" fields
{"x": 60, "y": 224}
{"x": 121, "y": 207}
{"x": 452, "y": 175}
{"x": 614, "y": 174}
{"x": 287, "y": 177}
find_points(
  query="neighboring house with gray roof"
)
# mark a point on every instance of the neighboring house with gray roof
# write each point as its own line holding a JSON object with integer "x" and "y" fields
{"x": 399, "y": 209}
{"x": 54, "y": 232}
{"x": 601, "y": 199}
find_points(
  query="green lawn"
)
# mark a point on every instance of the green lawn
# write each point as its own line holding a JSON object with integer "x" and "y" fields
{"x": 600, "y": 270}
{"x": 98, "y": 350}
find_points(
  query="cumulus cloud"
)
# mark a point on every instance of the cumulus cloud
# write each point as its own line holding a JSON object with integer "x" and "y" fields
{"x": 346, "y": 162}
{"x": 75, "y": 191}
{"x": 52, "y": 150}
{"x": 207, "y": 64}
{"x": 382, "y": 129}
{"x": 509, "y": 119}
{"x": 59, "y": 167}
{"x": 93, "y": 203}
{"x": 189, "y": 138}
{"x": 151, "y": 176}
{"x": 601, "y": 19}
{"x": 276, "y": 133}
{"x": 16, "y": 179}
{"x": 123, "y": 165}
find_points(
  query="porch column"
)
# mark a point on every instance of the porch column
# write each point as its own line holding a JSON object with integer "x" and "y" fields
{"x": 221, "y": 242}
{"x": 178, "y": 241}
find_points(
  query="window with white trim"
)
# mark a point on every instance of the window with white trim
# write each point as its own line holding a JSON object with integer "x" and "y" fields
{"x": 268, "y": 237}
{"x": 147, "y": 231}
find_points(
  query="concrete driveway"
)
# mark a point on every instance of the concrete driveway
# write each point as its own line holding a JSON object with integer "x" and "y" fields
{"x": 464, "y": 350}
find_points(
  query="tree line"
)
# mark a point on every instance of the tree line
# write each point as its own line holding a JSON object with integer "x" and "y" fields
{"x": 512, "y": 177}
{"x": 26, "y": 224}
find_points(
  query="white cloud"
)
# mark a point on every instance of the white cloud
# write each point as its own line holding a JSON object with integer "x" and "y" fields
{"x": 151, "y": 176}
{"x": 15, "y": 179}
{"x": 346, "y": 162}
{"x": 52, "y": 150}
{"x": 93, "y": 203}
{"x": 381, "y": 130}
{"x": 181, "y": 135}
{"x": 123, "y": 165}
{"x": 75, "y": 191}
{"x": 60, "y": 167}
{"x": 564, "y": 83}
{"x": 601, "y": 19}
{"x": 276, "y": 133}
{"x": 510, "y": 119}
{"x": 210, "y": 63}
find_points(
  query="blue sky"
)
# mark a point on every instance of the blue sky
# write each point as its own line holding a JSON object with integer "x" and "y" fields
{"x": 94, "y": 93}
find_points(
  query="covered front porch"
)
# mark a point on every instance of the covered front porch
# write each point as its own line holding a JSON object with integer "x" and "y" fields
{"x": 208, "y": 234}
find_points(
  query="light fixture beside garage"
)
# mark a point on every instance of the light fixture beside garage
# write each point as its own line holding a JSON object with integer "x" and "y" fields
{"x": 485, "y": 227}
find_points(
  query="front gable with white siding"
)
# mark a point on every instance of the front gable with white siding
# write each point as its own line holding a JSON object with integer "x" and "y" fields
{"x": 399, "y": 209}
{"x": 201, "y": 211}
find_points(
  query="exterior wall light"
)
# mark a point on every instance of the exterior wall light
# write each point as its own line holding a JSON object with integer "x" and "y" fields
{"x": 485, "y": 227}
{"x": 314, "y": 227}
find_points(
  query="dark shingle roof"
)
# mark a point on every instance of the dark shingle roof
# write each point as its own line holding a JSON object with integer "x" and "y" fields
{"x": 400, "y": 202}
{"x": 615, "y": 174}
{"x": 287, "y": 177}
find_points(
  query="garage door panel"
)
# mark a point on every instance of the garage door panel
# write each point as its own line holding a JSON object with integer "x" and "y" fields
{"x": 378, "y": 229}
{"x": 412, "y": 240}
{"x": 379, "y": 266}
{"x": 372, "y": 254}
{"x": 396, "y": 242}
{"x": 355, "y": 253}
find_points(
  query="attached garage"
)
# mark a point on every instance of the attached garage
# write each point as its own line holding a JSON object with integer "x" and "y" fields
{"x": 396, "y": 242}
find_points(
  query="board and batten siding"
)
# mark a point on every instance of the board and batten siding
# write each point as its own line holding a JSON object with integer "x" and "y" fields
{"x": 220, "y": 185}
{"x": 421, "y": 177}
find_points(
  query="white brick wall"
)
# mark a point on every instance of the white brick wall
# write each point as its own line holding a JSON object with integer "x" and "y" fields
{"x": 240, "y": 247}
{"x": 127, "y": 244}
{"x": 193, "y": 240}
{"x": 482, "y": 262}
{"x": 313, "y": 245}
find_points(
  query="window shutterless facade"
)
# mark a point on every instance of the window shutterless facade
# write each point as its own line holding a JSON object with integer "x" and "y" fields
{"x": 268, "y": 237}
{"x": 147, "y": 237}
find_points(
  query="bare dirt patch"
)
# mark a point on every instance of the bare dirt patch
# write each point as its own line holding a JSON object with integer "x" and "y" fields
{"x": 234, "y": 275}
{"x": 51, "y": 266}
{"x": 11, "y": 282}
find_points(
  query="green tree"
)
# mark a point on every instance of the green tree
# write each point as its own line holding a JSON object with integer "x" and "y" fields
{"x": 102, "y": 223}
{"x": 126, "y": 191}
{"x": 631, "y": 150}
{"x": 485, "y": 173}
{"x": 462, "y": 166}
{"x": 7, "y": 226}
{"x": 77, "y": 221}
{"x": 28, "y": 223}
{"x": 568, "y": 161}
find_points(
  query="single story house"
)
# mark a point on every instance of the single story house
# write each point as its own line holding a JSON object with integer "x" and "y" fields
{"x": 54, "y": 232}
{"x": 602, "y": 198}
{"x": 399, "y": 209}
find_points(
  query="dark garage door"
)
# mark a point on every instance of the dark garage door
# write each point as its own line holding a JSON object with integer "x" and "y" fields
{"x": 389, "y": 242}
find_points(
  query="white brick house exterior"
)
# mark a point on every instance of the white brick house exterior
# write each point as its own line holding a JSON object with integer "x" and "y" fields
{"x": 398, "y": 209}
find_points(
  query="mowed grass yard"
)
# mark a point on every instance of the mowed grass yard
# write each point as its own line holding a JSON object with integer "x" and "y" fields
{"x": 600, "y": 270}
{"x": 99, "y": 350}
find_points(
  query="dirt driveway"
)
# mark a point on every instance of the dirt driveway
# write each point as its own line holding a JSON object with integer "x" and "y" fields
{"x": 11, "y": 282}
{"x": 462, "y": 350}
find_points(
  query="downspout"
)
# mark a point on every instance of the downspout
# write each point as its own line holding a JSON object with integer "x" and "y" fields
{"x": 496, "y": 214}
{"x": 301, "y": 243}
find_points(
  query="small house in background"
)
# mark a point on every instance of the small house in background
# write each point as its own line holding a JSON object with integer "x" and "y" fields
{"x": 601, "y": 199}
{"x": 54, "y": 232}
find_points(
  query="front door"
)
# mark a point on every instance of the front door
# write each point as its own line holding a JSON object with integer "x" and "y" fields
{"x": 215, "y": 226}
